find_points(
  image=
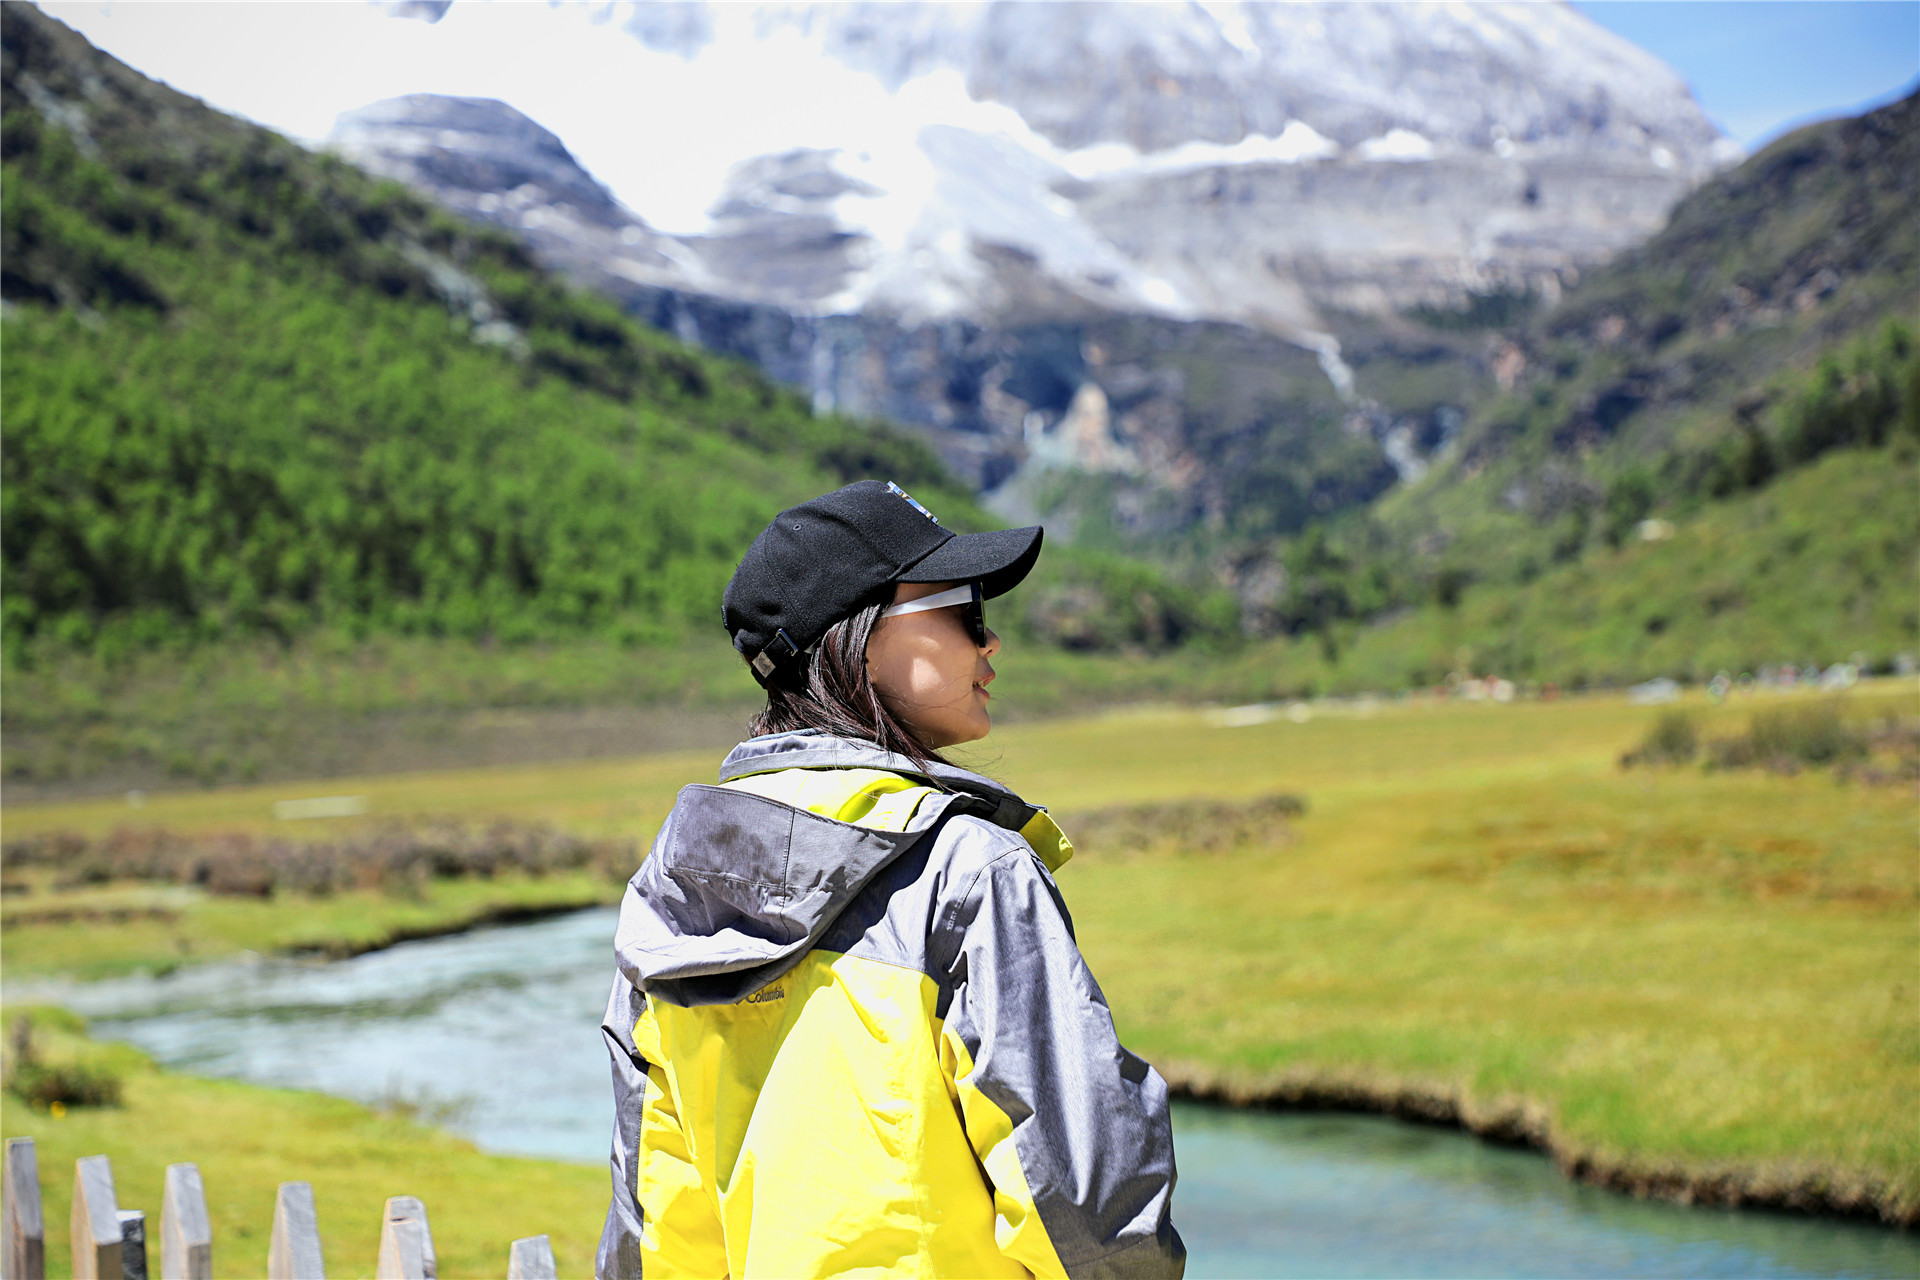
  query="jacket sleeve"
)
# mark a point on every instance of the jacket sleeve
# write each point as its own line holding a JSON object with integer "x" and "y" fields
{"x": 1072, "y": 1130}
{"x": 660, "y": 1222}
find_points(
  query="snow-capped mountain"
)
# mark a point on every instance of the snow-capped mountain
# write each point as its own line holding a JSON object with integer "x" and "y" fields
{"x": 1236, "y": 154}
{"x": 1270, "y": 165}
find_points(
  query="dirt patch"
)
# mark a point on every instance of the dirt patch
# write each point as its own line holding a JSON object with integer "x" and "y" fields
{"x": 87, "y": 915}
{"x": 396, "y": 857}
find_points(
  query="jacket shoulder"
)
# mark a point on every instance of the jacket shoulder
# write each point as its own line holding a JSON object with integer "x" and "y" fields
{"x": 987, "y": 872}
{"x": 970, "y": 843}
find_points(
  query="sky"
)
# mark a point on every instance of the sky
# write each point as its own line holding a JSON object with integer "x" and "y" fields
{"x": 1760, "y": 69}
{"x": 1756, "y": 66}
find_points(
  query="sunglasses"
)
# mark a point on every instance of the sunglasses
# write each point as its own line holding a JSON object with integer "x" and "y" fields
{"x": 973, "y": 611}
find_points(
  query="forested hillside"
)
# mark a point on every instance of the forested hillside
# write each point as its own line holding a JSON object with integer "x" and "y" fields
{"x": 1772, "y": 322}
{"x": 249, "y": 389}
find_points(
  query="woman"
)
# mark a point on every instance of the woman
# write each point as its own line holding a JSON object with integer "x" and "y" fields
{"x": 851, "y": 1030}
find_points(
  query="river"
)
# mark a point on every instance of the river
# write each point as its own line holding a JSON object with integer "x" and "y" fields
{"x": 495, "y": 1033}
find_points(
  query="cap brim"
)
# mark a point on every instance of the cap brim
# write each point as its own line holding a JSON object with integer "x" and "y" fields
{"x": 996, "y": 560}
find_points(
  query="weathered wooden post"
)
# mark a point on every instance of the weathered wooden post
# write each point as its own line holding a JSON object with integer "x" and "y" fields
{"x": 26, "y": 1256}
{"x": 186, "y": 1235}
{"x": 406, "y": 1242}
{"x": 98, "y": 1248}
{"x": 531, "y": 1259}
{"x": 294, "y": 1253}
{"x": 133, "y": 1244}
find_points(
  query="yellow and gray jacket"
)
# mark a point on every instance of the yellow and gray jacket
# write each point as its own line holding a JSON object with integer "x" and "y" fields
{"x": 852, "y": 1032}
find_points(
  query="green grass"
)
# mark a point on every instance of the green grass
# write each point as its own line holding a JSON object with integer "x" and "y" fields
{"x": 1673, "y": 970}
{"x": 247, "y": 1140}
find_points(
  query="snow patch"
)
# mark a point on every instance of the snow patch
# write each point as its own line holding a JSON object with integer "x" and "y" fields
{"x": 1232, "y": 26}
{"x": 940, "y": 174}
{"x": 1399, "y": 145}
{"x": 1299, "y": 141}
{"x": 1162, "y": 294}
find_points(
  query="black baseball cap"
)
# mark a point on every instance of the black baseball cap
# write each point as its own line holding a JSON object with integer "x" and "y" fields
{"x": 825, "y": 560}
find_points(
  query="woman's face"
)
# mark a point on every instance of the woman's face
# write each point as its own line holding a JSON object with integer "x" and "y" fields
{"x": 929, "y": 673}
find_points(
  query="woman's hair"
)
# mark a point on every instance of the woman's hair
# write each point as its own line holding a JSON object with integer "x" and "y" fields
{"x": 838, "y": 698}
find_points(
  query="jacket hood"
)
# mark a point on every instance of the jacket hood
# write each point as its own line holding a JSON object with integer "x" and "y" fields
{"x": 738, "y": 887}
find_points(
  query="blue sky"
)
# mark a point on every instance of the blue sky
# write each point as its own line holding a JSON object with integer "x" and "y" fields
{"x": 1761, "y": 67}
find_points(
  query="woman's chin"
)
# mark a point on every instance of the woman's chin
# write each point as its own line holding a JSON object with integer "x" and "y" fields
{"x": 959, "y": 732}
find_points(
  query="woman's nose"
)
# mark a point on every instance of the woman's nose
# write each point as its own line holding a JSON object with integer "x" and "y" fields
{"x": 992, "y": 646}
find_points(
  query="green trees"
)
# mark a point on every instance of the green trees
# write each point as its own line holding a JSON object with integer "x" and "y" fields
{"x": 1860, "y": 398}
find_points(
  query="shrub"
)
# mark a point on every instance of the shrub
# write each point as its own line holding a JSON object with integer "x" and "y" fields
{"x": 1186, "y": 826}
{"x": 1672, "y": 740}
{"x": 1786, "y": 738}
{"x": 67, "y": 1084}
{"x": 45, "y": 1085}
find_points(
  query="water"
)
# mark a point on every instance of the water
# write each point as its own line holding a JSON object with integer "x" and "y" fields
{"x": 497, "y": 1030}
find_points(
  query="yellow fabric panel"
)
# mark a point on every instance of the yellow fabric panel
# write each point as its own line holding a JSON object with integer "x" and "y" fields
{"x": 871, "y": 798}
{"x": 1017, "y": 1230}
{"x": 1046, "y": 838}
{"x": 818, "y": 1111}
{"x": 682, "y": 1227}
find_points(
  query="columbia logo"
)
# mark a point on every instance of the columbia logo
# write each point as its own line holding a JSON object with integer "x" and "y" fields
{"x": 766, "y": 994}
{"x": 894, "y": 488}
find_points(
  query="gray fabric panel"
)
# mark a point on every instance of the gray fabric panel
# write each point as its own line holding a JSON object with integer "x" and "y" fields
{"x": 1090, "y": 1120}
{"x": 738, "y": 888}
{"x": 892, "y": 919}
{"x": 618, "y": 1257}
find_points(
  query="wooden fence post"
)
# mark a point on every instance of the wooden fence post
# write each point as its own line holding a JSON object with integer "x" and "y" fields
{"x": 98, "y": 1253}
{"x": 186, "y": 1235}
{"x": 294, "y": 1253}
{"x": 406, "y": 1242}
{"x": 133, "y": 1244}
{"x": 531, "y": 1259}
{"x": 26, "y": 1256}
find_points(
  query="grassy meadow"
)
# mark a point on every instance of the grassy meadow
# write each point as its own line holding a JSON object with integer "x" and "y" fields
{"x": 1659, "y": 972}
{"x": 1671, "y": 973}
